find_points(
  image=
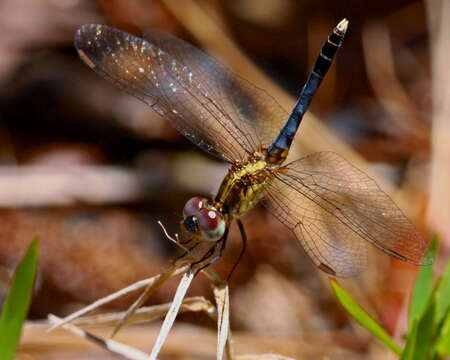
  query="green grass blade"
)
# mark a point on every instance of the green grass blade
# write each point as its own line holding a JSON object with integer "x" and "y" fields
{"x": 442, "y": 296}
{"x": 443, "y": 342}
{"x": 363, "y": 318}
{"x": 424, "y": 339}
{"x": 423, "y": 286}
{"x": 408, "y": 351}
{"x": 17, "y": 302}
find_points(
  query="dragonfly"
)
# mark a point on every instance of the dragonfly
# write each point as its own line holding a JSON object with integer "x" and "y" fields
{"x": 332, "y": 208}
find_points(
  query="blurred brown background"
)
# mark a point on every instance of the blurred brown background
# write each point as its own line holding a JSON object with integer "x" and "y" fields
{"x": 90, "y": 169}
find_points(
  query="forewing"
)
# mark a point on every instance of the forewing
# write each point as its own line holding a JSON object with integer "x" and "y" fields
{"x": 175, "y": 91}
{"x": 251, "y": 109}
{"x": 332, "y": 207}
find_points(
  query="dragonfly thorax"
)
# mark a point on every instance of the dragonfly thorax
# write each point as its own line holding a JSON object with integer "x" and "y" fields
{"x": 203, "y": 220}
{"x": 245, "y": 184}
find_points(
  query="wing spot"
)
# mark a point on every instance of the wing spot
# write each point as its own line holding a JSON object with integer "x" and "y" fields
{"x": 397, "y": 255}
{"x": 327, "y": 269}
{"x": 86, "y": 59}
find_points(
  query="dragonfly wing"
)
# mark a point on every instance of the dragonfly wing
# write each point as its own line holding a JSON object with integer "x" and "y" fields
{"x": 162, "y": 81}
{"x": 256, "y": 113}
{"x": 332, "y": 207}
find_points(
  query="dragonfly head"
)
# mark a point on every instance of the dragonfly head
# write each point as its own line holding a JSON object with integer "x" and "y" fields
{"x": 203, "y": 220}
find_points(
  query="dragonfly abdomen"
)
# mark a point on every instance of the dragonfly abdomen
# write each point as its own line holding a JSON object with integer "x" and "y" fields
{"x": 278, "y": 151}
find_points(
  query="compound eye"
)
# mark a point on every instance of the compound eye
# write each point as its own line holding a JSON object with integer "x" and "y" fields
{"x": 190, "y": 224}
{"x": 211, "y": 224}
{"x": 194, "y": 205}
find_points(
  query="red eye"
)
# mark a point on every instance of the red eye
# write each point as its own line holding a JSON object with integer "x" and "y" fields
{"x": 194, "y": 205}
{"x": 208, "y": 219}
{"x": 211, "y": 224}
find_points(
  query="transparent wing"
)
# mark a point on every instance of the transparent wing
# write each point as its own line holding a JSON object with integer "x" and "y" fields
{"x": 178, "y": 88}
{"x": 332, "y": 207}
{"x": 257, "y": 114}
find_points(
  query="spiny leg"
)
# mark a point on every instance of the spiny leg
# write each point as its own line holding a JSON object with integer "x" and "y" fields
{"x": 223, "y": 242}
{"x": 215, "y": 258}
{"x": 244, "y": 247}
{"x": 208, "y": 254}
{"x": 192, "y": 247}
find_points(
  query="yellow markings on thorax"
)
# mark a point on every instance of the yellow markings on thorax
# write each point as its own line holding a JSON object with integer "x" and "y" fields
{"x": 244, "y": 186}
{"x": 250, "y": 169}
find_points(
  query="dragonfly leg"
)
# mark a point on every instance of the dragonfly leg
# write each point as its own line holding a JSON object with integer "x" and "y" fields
{"x": 208, "y": 254}
{"x": 211, "y": 251}
{"x": 244, "y": 247}
{"x": 221, "y": 251}
{"x": 192, "y": 247}
{"x": 215, "y": 258}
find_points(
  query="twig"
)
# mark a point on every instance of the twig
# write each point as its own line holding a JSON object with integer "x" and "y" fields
{"x": 176, "y": 269}
{"x": 148, "y": 313}
{"x": 109, "y": 345}
{"x": 172, "y": 313}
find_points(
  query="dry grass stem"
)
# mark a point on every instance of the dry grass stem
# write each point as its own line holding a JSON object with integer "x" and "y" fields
{"x": 222, "y": 297}
{"x": 175, "y": 270}
{"x": 148, "y": 291}
{"x": 148, "y": 313}
{"x": 45, "y": 185}
{"x": 439, "y": 204}
{"x": 172, "y": 313}
{"x": 110, "y": 345}
{"x": 403, "y": 111}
